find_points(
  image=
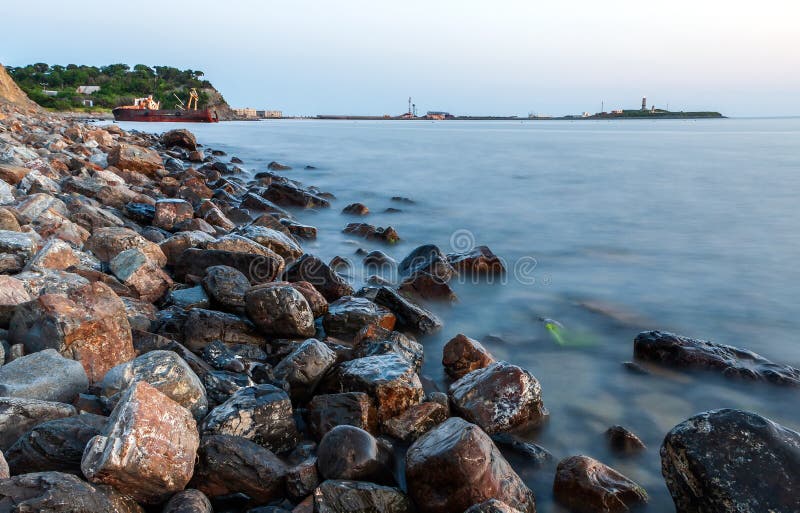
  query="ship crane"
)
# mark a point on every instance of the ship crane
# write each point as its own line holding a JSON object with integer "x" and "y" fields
{"x": 193, "y": 96}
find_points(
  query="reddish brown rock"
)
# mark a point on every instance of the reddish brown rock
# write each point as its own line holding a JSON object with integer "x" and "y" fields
{"x": 4, "y": 472}
{"x": 624, "y": 441}
{"x": 479, "y": 261}
{"x": 181, "y": 138}
{"x": 317, "y": 302}
{"x": 356, "y": 209}
{"x": 349, "y": 408}
{"x": 313, "y": 270}
{"x": 135, "y": 158}
{"x": 89, "y": 324}
{"x": 55, "y": 254}
{"x": 148, "y": 450}
{"x": 342, "y": 496}
{"x": 174, "y": 246}
{"x": 8, "y": 221}
{"x": 302, "y": 478}
{"x": 428, "y": 287}
{"x": 463, "y": 355}
{"x": 171, "y": 212}
{"x": 371, "y": 232}
{"x": 13, "y": 174}
{"x": 440, "y": 481}
{"x": 499, "y": 397}
{"x": 106, "y": 243}
{"x": 585, "y": 485}
{"x": 279, "y": 310}
{"x": 389, "y": 379}
{"x": 134, "y": 268}
{"x": 232, "y": 464}
{"x": 281, "y": 243}
{"x": 416, "y": 421}
{"x": 12, "y": 293}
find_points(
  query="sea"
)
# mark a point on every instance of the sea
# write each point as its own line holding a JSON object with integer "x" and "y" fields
{"x": 607, "y": 228}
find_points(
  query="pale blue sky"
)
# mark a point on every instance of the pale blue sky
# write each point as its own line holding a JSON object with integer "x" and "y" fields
{"x": 467, "y": 57}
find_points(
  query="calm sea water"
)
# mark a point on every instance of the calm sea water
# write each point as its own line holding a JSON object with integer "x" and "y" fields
{"x": 613, "y": 227}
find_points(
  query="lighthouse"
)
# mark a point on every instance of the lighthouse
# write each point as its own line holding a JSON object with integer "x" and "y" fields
{"x": 644, "y": 103}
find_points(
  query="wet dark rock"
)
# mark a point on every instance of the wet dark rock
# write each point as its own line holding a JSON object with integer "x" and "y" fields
{"x": 370, "y": 232}
{"x": 203, "y": 326}
{"x": 140, "y": 212}
{"x": 534, "y": 454}
{"x": 55, "y": 445}
{"x": 302, "y": 231}
{"x": 304, "y": 368}
{"x": 57, "y": 492}
{"x": 623, "y": 440}
{"x": 416, "y": 421}
{"x": 347, "y": 452}
{"x": 732, "y": 460}
{"x": 585, "y": 485}
{"x": 492, "y": 506}
{"x": 290, "y": 195}
{"x": 348, "y": 315}
{"x": 689, "y": 353}
{"x": 257, "y": 268}
{"x": 462, "y": 355}
{"x": 401, "y": 199}
{"x": 255, "y": 202}
{"x": 230, "y": 464}
{"x": 44, "y": 375}
{"x": 276, "y": 166}
{"x": 280, "y": 310}
{"x": 479, "y": 261}
{"x": 188, "y": 501}
{"x": 410, "y": 316}
{"x": 226, "y": 286}
{"x": 356, "y": 209}
{"x": 181, "y": 138}
{"x": 313, "y": 270}
{"x": 334, "y": 496}
{"x": 166, "y": 372}
{"x": 375, "y": 340}
{"x": 499, "y": 397}
{"x": 302, "y": 478}
{"x": 284, "y": 245}
{"x": 222, "y": 357}
{"x": 349, "y": 408}
{"x": 427, "y": 259}
{"x": 220, "y": 385}
{"x": 379, "y": 261}
{"x": 427, "y": 287}
{"x": 635, "y": 368}
{"x": 317, "y": 302}
{"x": 236, "y": 160}
{"x": 440, "y": 482}
{"x": 389, "y": 379}
{"x": 262, "y": 413}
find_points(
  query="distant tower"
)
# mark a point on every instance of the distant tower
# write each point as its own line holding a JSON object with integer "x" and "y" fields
{"x": 414, "y": 109}
{"x": 409, "y": 105}
{"x": 644, "y": 103}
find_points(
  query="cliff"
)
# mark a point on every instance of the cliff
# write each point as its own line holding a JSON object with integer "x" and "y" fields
{"x": 11, "y": 93}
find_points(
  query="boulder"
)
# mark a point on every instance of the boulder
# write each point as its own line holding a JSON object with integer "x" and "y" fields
{"x": 732, "y": 460}
{"x": 356, "y": 209}
{"x": 226, "y": 286}
{"x": 277, "y": 241}
{"x": 291, "y": 195}
{"x": 171, "y": 212}
{"x": 134, "y": 268}
{"x": 261, "y": 413}
{"x": 57, "y": 492}
{"x": 188, "y": 501}
{"x": 499, "y": 397}
{"x": 304, "y": 368}
{"x": 135, "y": 158}
{"x": 20, "y": 245}
{"x": 689, "y": 353}
{"x": 317, "y": 302}
{"x": 313, "y": 270}
{"x": 89, "y": 325}
{"x": 44, "y": 375}
{"x": 17, "y": 415}
{"x": 181, "y": 138}
{"x": 55, "y": 254}
{"x": 410, "y": 316}
{"x": 257, "y": 268}
{"x": 479, "y": 261}
{"x": 279, "y": 310}
{"x": 48, "y": 281}
{"x": 389, "y": 379}
{"x": 349, "y": 408}
{"x": 8, "y": 222}
{"x": 624, "y": 441}
{"x": 439, "y": 481}
{"x": 220, "y": 385}
{"x": 203, "y": 326}
{"x": 347, "y": 452}
{"x": 190, "y": 297}
{"x": 585, "y": 485}
{"x": 13, "y": 174}
{"x": 55, "y": 445}
{"x": 106, "y": 243}
{"x": 427, "y": 287}
{"x": 234, "y": 357}
{"x": 148, "y": 449}
{"x": 370, "y": 232}
{"x": 302, "y": 478}
{"x": 232, "y": 464}
{"x": 166, "y": 372}
{"x": 492, "y": 506}
{"x": 276, "y": 166}
{"x": 12, "y": 293}
{"x": 462, "y": 355}
{"x": 416, "y": 421}
{"x": 348, "y": 315}
{"x": 374, "y": 340}
{"x": 335, "y": 496}
{"x": 427, "y": 259}
{"x": 174, "y": 246}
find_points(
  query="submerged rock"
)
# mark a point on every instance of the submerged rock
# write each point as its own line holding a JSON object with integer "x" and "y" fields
{"x": 439, "y": 481}
{"x": 462, "y": 355}
{"x": 479, "y": 261}
{"x": 587, "y": 486}
{"x": 623, "y": 440}
{"x": 732, "y": 460}
{"x": 689, "y": 353}
{"x": 370, "y": 232}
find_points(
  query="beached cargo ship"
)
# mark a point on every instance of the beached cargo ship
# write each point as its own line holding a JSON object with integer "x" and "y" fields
{"x": 147, "y": 109}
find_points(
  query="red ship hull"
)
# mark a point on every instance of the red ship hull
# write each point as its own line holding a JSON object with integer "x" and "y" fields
{"x": 168, "y": 116}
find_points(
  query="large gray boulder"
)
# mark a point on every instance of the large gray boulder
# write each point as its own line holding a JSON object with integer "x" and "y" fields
{"x": 45, "y": 375}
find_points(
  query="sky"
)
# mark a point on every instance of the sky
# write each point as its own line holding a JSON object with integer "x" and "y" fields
{"x": 501, "y": 57}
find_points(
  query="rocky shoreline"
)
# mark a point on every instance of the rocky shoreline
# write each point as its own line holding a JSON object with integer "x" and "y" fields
{"x": 168, "y": 345}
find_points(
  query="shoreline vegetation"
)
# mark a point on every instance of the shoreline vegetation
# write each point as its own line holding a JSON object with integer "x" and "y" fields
{"x": 168, "y": 344}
